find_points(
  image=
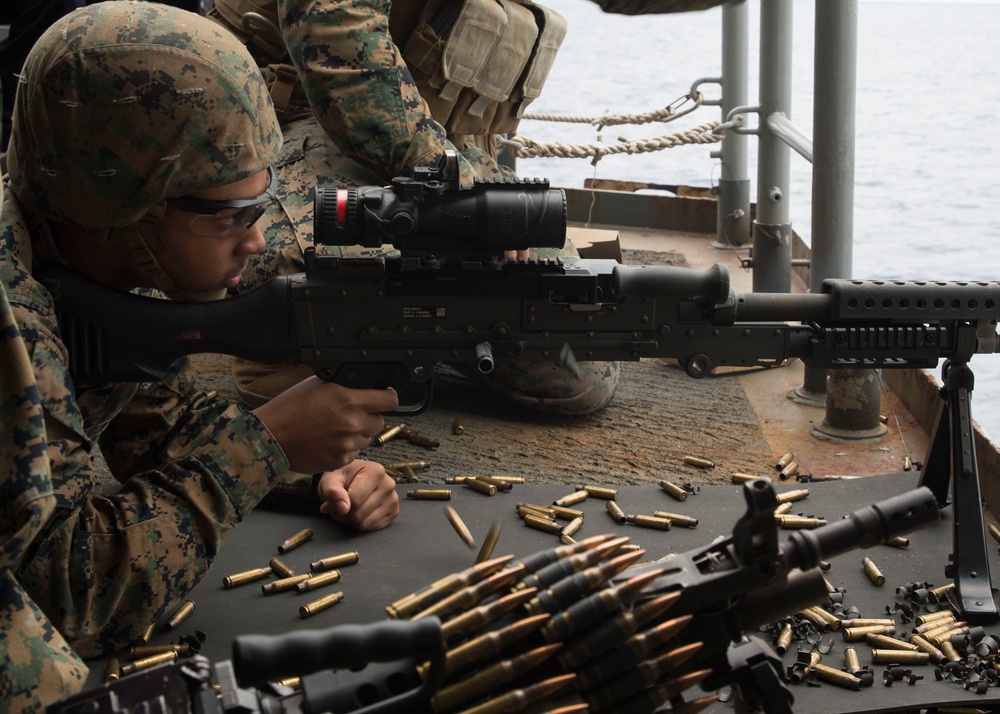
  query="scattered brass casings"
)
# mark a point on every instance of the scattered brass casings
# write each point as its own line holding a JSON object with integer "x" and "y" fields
{"x": 429, "y": 494}
{"x": 489, "y": 542}
{"x": 388, "y": 434}
{"x": 572, "y": 527}
{"x": 457, "y": 427}
{"x": 290, "y": 682}
{"x": 790, "y": 469}
{"x": 180, "y": 614}
{"x": 324, "y": 603}
{"x": 868, "y": 622}
{"x": 925, "y": 646}
{"x": 148, "y": 662}
{"x": 420, "y": 440}
{"x": 851, "y": 660}
{"x": 784, "y": 461}
{"x": 889, "y": 643}
{"x": 616, "y": 512}
{"x": 677, "y": 519}
{"x": 674, "y": 490}
{"x": 943, "y": 634}
{"x": 737, "y": 477}
{"x": 540, "y": 523}
{"x": 858, "y": 634}
{"x": 608, "y": 494}
{"x": 459, "y": 525}
{"x": 457, "y": 479}
{"x": 699, "y": 462}
{"x": 880, "y": 656}
{"x": 835, "y": 676}
{"x": 571, "y": 499}
{"x": 138, "y": 652}
{"x": 943, "y": 615}
{"x": 296, "y": 540}
{"x": 949, "y": 652}
{"x": 818, "y": 616}
{"x": 943, "y": 622}
{"x": 487, "y": 489}
{"x": 544, "y": 511}
{"x": 873, "y": 573}
{"x": 334, "y": 561}
{"x": 113, "y": 671}
{"x": 247, "y": 576}
{"x": 318, "y": 581}
{"x": 566, "y": 514}
{"x": 939, "y": 591}
{"x": 661, "y": 524}
{"x": 283, "y": 585}
{"x": 795, "y": 495}
{"x": 146, "y": 635}
{"x": 280, "y": 568}
{"x": 501, "y": 484}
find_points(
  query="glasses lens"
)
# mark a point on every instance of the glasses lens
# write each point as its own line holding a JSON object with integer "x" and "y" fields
{"x": 228, "y": 223}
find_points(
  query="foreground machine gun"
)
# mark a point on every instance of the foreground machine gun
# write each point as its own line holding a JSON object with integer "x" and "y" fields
{"x": 577, "y": 627}
{"x": 376, "y": 322}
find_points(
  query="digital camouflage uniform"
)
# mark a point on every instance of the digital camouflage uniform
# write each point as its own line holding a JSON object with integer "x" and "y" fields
{"x": 357, "y": 117}
{"x": 114, "y": 113}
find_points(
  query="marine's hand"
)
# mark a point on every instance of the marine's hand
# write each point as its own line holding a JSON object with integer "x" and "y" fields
{"x": 361, "y": 494}
{"x": 322, "y": 426}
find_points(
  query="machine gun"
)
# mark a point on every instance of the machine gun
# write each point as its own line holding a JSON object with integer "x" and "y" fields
{"x": 577, "y": 624}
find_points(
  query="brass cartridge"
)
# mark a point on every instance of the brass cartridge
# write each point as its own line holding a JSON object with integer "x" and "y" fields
{"x": 546, "y": 511}
{"x": 676, "y": 491}
{"x": 937, "y": 623}
{"x": 889, "y": 643}
{"x": 296, "y": 540}
{"x": 415, "y": 465}
{"x": 566, "y": 514}
{"x": 851, "y": 660}
{"x": 942, "y": 615}
{"x": 832, "y": 620}
{"x": 324, "y": 603}
{"x": 994, "y": 531}
{"x": 523, "y": 511}
{"x": 318, "y": 581}
{"x": 290, "y": 682}
{"x": 784, "y": 461}
{"x": 872, "y": 571}
{"x": 790, "y": 469}
{"x": 677, "y": 519}
{"x": 429, "y": 494}
{"x": 180, "y": 614}
{"x": 113, "y": 671}
{"x": 939, "y": 591}
{"x": 457, "y": 428}
{"x": 459, "y": 525}
{"x": 784, "y": 640}
{"x": 899, "y": 657}
{"x": 283, "y": 585}
{"x": 334, "y": 561}
{"x": 616, "y": 512}
{"x": 608, "y": 494}
{"x": 738, "y": 478}
{"x": 791, "y": 522}
{"x": 388, "y": 434}
{"x": 487, "y": 489}
{"x": 925, "y": 646}
{"x": 699, "y": 462}
{"x": 542, "y": 524}
{"x": 138, "y": 652}
{"x": 512, "y": 479}
{"x": 572, "y": 527}
{"x": 858, "y": 634}
{"x": 489, "y": 542}
{"x": 500, "y": 483}
{"x": 898, "y": 542}
{"x": 794, "y": 495}
{"x": 247, "y": 576}
{"x": 782, "y": 508}
{"x": 661, "y": 524}
{"x": 949, "y": 652}
{"x": 457, "y": 479}
{"x": 835, "y": 676}
{"x": 280, "y": 568}
{"x": 868, "y": 622}
{"x": 420, "y": 440}
{"x": 146, "y": 635}
{"x": 571, "y": 499}
{"x": 148, "y": 662}
{"x": 566, "y": 539}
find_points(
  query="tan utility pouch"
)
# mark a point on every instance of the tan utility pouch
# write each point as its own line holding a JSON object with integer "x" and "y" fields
{"x": 472, "y": 70}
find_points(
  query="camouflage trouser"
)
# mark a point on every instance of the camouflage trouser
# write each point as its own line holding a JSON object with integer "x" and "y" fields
{"x": 309, "y": 158}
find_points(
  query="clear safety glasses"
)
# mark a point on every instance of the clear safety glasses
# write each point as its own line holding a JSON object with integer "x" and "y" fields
{"x": 221, "y": 218}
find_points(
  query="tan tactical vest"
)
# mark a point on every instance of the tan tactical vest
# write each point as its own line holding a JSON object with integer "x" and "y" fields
{"x": 477, "y": 63}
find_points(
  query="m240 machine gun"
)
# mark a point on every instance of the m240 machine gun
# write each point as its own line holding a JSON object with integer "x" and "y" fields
{"x": 576, "y": 626}
{"x": 449, "y": 297}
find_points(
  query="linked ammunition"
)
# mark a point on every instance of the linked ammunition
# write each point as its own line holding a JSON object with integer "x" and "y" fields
{"x": 501, "y": 484}
{"x": 481, "y": 616}
{"x": 571, "y": 499}
{"x": 334, "y": 561}
{"x": 542, "y": 524}
{"x": 457, "y": 428}
{"x": 835, "y": 676}
{"x": 889, "y": 643}
{"x": 388, "y": 434}
{"x": 674, "y": 490}
{"x": 414, "y": 602}
{"x": 795, "y": 495}
{"x": 851, "y": 660}
{"x": 872, "y": 571}
{"x": 699, "y": 462}
{"x": 415, "y": 465}
{"x": 324, "y": 603}
{"x": 284, "y": 585}
{"x": 653, "y": 698}
{"x": 535, "y": 562}
{"x": 880, "y": 656}
{"x": 925, "y": 646}
{"x": 138, "y": 652}
{"x": 147, "y": 663}
{"x": 677, "y": 519}
{"x": 429, "y": 494}
{"x": 784, "y": 639}
{"x": 296, "y": 540}
{"x": 572, "y": 527}
{"x": 858, "y": 634}
{"x": 146, "y": 635}
{"x": 180, "y": 614}
{"x": 487, "y": 645}
{"x": 578, "y": 557}
{"x": 661, "y": 524}
{"x": 420, "y": 440}
{"x": 318, "y": 581}
{"x": 487, "y": 489}
{"x": 616, "y": 512}
{"x": 784, "y": 461}
{"x": 519, "y": 699}
{"x": 739, "y": 478}
{"x": 790, "y": 469}
{"x": 459, "y": 525}
{"x": 280, "y": 568}
{"x": 247, "y": 576}
{"x": 567, "y": 514}
{"x": 489, "y": 542}
{"x": 570, "y": 589}
{"x": 585, "y": 613}
{"x": 472, "y": 594}
{"x": 608, "y": 494}
{"x": 113, "y": 670}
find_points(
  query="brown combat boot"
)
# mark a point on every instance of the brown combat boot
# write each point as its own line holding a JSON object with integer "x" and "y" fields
{"x": 259, "y": 382}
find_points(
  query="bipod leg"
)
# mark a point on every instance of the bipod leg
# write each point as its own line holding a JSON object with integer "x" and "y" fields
{"x": 951, "y": 458}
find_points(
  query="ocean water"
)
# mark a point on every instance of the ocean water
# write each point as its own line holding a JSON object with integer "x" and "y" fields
{"x": 927, "y": 175}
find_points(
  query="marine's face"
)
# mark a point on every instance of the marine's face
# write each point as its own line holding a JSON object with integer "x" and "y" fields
{"x": 206, "y": 237}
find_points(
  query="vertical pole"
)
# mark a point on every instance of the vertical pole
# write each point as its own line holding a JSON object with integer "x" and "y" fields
{"x": 772, "y": 230}
{"x": 734, "y": 184}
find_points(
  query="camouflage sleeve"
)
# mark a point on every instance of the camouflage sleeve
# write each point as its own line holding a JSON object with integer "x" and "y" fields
{"x": 651, "y": 7}
{"x": 359, "y": 86}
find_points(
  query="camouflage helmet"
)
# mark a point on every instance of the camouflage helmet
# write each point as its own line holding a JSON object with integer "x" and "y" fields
{"x": 123, "y": 104}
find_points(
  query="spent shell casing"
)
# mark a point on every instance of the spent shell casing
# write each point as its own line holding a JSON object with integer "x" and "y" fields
{"x": 677, "y": 519}
{"x": 334, "y": 561}
{"x": 247, "y": 576}
{"x": 148, "y": 662}
{"x": 388, "y": 434}
{"x": 883, "y": 656}
{"x": 872, "y": 571}
{"x": 113, "y": 670}
{"x": 415, "y": 465}
{"x": 427, "y": 442}
{"x": 889, "y": 643}
{"x": 791, "y": 468}
{"x": 146, "y": 635}
{"x": 489, "y": 542}
{"x": 283, "y": 585}
{"x": 940, "y": 590}
{"x": 180, "y": 614}
{"x": 662, "y": 524}
{"x": 949, "y": 652}
{"x": 523, "y": 511}
{"x": 994, "y": 531}
{"x": 318, "y": 581}
{"x": 607, "y": 494}
{"x": 699, "y": 462}
{"x": 566, "y": 514}
{"x": 828, "y": 617}
{"x": 429, "y": 494}
{"x": 782, "y": 508}
{"x": 457, "y": 428}
{"x": 931, "y": 616}
{"x": 784, "y": 640}
{"x": 791, "y": 522}
{"x": 835, "y": 676}
{"x": 784, "y": 461}
{"x": 867, "y": 622}
{"x": 542, "y": 524}
{"x": 290, "y": 682}
{"x": 898, "y": 542}
{"x": 939, "y": 625}
{"x": 512, "y": 479}
{"x": 674, "y": 490}
{"x": 925, "y": 646}
{"x": 566, "y": 539}
{"x": 795, "y": 495}
{"x": 738, "y": 478}
{"x": 295, "y": 541}
{"x": 859, "y": 634}
{"x": 851, "y": 660}
{"x": 616, "y": 512}
{"x": 572, "y": 527}
{"x": 280, "y": 568}
{"x": 459, "y": 525}
{"x": 138, "y": 652}
{"x": 498, "y": 482}
{"x": 571, "y": 499}
{"x": 457, "y": 479}
{"x": 487, "y": 489}
{"x": 324, "y": 603}
{"x": 546, "y": 511}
